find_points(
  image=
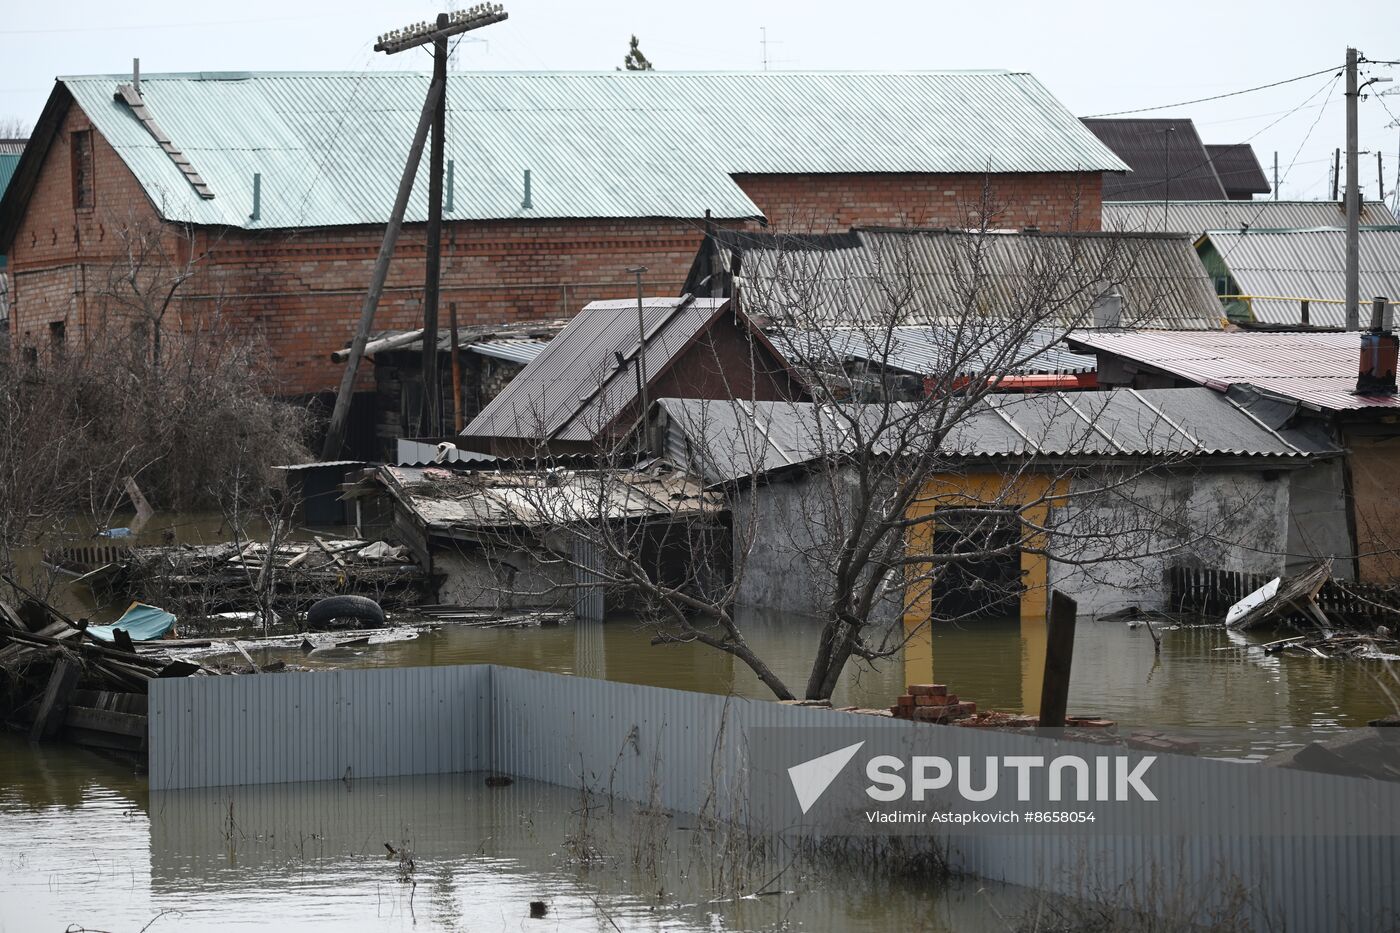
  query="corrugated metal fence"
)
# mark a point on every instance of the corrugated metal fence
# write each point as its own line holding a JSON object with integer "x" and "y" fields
{"x": 689, "y": 752}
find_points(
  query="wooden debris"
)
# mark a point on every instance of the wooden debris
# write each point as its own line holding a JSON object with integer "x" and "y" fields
{"x": 1296, "y": 594}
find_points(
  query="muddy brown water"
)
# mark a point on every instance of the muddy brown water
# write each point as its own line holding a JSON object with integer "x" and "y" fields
{"x": 83, "y": 842}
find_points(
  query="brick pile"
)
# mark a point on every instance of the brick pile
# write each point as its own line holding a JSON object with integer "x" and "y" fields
{"x": 931, "y": 703}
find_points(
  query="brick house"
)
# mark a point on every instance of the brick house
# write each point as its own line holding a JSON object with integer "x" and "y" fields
{"x": 623, "y": 168}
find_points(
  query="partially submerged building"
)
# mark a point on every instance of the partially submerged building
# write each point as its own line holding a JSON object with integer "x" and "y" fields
{"x": 1295, "y": 278}
{"x": 1128, "y": 483}
{"x": 584, "y": 392}
{"x": 1298, "y": 381}
{"x": 522, "y": 535}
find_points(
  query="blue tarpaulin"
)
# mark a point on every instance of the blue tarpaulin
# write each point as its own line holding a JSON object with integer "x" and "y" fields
{"x": 141, "y": 622}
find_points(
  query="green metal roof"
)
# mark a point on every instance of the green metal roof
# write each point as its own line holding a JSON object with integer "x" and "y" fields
{"x": 8, "y": 161}
{"x": 330, "y": 147}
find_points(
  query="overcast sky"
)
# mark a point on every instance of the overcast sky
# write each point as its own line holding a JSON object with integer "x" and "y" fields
{"x": 1095, "y": 57}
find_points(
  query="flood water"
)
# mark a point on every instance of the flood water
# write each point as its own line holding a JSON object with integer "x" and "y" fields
{"x": 83, "y": 843}
{"x": 1202, "y": 680}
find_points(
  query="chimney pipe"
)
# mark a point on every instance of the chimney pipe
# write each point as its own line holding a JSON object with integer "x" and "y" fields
{"x": 525, "y": 203}
{"x": 136, "y": 76}
{"x": 1107, "y": 310}
{"x": 1379, "y": 351}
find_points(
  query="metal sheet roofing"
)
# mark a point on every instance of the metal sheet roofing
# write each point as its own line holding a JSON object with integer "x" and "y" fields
{"x": 447, "y": 499}
{"x": 1167, "y": 157}
{"x": 8, "y": 161}
{"x": 724, "y": 440}
{"x": 1196, "y": 217}
{"x": 1238, "y": 169}
{"x": 516, "y": 351}
{"x": 330, "y": 147}
{"x": 1316, "y": 369}
{"x": 586, "y": 376}
{"x": 927, "y": 350}
{"x": 1280, "y": 267}
{"x": 926, "y": 276}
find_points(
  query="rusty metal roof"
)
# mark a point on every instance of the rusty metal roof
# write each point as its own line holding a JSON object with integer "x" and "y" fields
{"x": 330, "y": 147}
{"x": 1315, "y": 369}
{"x": 585, "y": 377}
{"x": 1196, "y": 217}
{"x": 1280, "y": 267}
{"x": 923, "y": 277}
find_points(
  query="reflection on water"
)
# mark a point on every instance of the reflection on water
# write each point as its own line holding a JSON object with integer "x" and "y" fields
{"x": 1200, "y": 680}
{"x": 80, "y": 846}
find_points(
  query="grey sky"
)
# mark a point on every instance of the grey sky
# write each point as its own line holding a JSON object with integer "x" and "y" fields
{"x": 1096, "y": 57}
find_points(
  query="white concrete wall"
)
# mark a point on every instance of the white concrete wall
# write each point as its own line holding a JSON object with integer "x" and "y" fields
{"x": 1223, "y": 519}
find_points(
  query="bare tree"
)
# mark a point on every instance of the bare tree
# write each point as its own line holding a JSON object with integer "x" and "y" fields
{"x": 13, "y": 128}
{"x": 872, "y": 499}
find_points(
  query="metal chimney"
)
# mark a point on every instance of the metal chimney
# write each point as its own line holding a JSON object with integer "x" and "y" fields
{"x": 1107, "y": 310}
{"x": 1379, "y": 351}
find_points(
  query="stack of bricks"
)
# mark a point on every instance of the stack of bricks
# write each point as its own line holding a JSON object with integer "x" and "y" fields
{"x": 931, "y": 703}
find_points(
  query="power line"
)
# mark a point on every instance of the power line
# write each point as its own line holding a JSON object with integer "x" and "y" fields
{"x": 1202, "y": 100}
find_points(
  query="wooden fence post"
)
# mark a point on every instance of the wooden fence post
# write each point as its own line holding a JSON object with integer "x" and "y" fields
{"x": 1059, "y": 656}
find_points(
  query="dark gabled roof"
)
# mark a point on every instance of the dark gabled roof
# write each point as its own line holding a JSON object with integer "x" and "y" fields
{"x": 1167, "y": 157}
{"x": 586, "y": 377}
{"x": 725, "y": 440}
{"x": 953, "y": 275}
{"x": 1238, "y": 169}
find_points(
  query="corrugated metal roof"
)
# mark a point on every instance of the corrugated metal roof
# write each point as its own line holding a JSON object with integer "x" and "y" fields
{"x": 516, "y": 351}
{"x": 925, "y": 276}
{"x": 926, "y": 351}
{"x": 455, "y": 499}
{"x": 1238, "y": 169}
{"x": 723, "y": 440}
{"x": 12, "y": 146}
{"x": 8, "y": 161}
{"x": 1316, "y": 369}
{"x": 1287, "y": 265}
{"x": 1167, "y": 157}
{"x": 576, "y": 387}
{"x": 331, "y": 146}
{"x": 1196, "y": 217}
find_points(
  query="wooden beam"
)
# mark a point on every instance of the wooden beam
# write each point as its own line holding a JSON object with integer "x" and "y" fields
{"x": 1059, "y": 657}
{"x": 62, "y": 682}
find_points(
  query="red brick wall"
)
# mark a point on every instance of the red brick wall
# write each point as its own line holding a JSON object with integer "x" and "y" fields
{"x": 302, "y": 290}
{"x": 827, "y": 203}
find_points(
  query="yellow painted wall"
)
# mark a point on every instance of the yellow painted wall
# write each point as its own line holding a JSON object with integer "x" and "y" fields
{"x": 985, "y": 489}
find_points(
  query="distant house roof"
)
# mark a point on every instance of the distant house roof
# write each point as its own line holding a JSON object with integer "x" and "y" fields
{"x": 1167, "y": 158}
{"x": 722, "y": 440}
{"x": 10, "y": 151}
{"x": 925, "y": 351}
{"x": 1317, "y": 369}
{"x": 1238, "y": 169}
{"x": 1278, "y": 268}
{"x": 1196, "y": 217}
{"x": 586, "y": 378}
{"x": 330, "y": 147}
{"x": 940, "y": 275}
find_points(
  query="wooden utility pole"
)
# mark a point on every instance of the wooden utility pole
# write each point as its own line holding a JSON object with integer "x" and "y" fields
{"x": 335, "y": 434}
{"x": 1275, "y": 174}
{"x": 1353, "y": 204}
{"x": 432, "y": 385}
{"x": 1059, "y": 657}
{"x": 1336, "y": 172}
{"x": 456, "y": 368}
{"x": 434, "y": 115}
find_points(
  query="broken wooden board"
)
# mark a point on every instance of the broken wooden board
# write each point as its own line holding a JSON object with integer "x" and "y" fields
{"x": 1296, "y": 594}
